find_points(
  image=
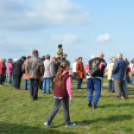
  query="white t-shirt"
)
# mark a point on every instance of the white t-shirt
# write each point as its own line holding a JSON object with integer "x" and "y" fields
{"x": 74, "y": 67}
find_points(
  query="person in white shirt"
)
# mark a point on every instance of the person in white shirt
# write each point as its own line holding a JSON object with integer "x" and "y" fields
{"x": 74, "y": 69}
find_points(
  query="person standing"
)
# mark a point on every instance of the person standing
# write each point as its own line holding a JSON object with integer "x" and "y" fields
{"x": 80, "y": 72}
{"x": 59, "y": 51}
{"x": 13, "y": 66}
{"x": 128, "y": 69}
{"x": 41, "y": 80}
{"x": 54, "y": 63}
{"x": 62, "y": 93}
{"x": 2, "y": 70}
{"x": 9, "y": 71}
{"x": 95, "y": 79}
{"x": 110, "y": 79}
{"x": 119, "y": 76}
{"x": 35, "y": 70}
{"x": 48, "y": 74}
{"x": 64, "y": 57}
{"x": 26, "y": 75}
{"x": 17, "y": 71}
{"x": 74, "y": 69}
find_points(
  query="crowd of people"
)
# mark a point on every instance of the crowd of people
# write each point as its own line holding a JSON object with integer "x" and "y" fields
{"x": 38, "y": 73}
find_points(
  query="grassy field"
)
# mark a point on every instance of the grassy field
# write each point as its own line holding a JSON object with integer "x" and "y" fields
{"x": 19, "y": 114}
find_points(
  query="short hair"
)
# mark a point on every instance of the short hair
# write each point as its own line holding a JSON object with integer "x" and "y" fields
{"x": 60, "y": 46}
{"x": 43, "y": 58}
{"x": 34, "y": 52}
{"x": 65, "y": 55}
{"x": 3, "y": 59}
{"x": 9, "y": 60}
{"x": 101, "y": 54}
{"x": 120, "y": 55}
{"x": 47, "y": 56}
{"x": 23, "y": 57}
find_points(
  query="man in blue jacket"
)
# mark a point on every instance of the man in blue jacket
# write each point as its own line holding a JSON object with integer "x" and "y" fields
{"x": 119, "y": 76}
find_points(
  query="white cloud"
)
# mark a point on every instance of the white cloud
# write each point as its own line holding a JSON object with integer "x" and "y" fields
{"x": 38, "y": 14}
{"x": 56, "y": 38}
{"x": 71, "y": 39}
{"x": 66, "y": 39}
{"x": 103, "y": 38}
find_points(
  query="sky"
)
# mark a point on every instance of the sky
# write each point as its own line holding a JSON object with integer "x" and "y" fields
{"x": 83, "y": 27}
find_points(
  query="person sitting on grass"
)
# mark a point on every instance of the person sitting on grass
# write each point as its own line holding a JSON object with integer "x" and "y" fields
{"x": 62, "y": 92}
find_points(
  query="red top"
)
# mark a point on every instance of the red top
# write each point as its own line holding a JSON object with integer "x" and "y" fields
{"x": 2, "y": 68}
{"x": 61, "y": 91}
{"x": 128, "y": 70}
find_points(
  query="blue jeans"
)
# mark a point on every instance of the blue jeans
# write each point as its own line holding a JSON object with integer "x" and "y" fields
{"x": 46, "y": 85}
{"x": 25, "y": 84}
{"x": 13, "y": 84}
{"x": 110, "y": 85}
{"x": 79, "y": 82}
{"x": 132, "y": 79}
{"x": 1, "y": 79}
{"x": 126, "y": 83}
{"x": 9, "y": 79}
{"x": 128, "y": 80}
{"x": 94, "y": 84}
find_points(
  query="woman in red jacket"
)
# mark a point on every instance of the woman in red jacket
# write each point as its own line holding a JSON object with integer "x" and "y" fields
{"x": 128, "y": 69}
{"x": 2, "y": 70}
{"x": 80, "y": 72}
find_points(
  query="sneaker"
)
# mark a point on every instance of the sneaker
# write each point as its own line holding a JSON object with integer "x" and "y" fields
{"x": 70, "y": 125}
{"x": 46, "y": 124}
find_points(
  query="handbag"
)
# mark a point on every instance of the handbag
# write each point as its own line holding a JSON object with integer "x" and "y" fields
{"x": 94, "y": 71}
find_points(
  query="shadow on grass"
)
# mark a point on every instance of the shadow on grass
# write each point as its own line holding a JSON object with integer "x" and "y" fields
{"x": 117, "y": 105}
{"x": 113, "y": 118}
{"x": 8, "y": 128}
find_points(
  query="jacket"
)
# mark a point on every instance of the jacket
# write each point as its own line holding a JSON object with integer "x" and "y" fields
{"x": 54, "y": 63}
{"x": 2, "y": 68}
{"x": 110, "y": 69}
{"x": 59, "y": 52}
{"x": 98, "y": 62}
{"x": 17, "y": 68}
{"x": 80, "y": 70}
{"x": 35, "y": 67}
{"x": 49, "y": 69}
{"x": 65, "y": 89}
{"x": 26, "y": 75}
{"x": 9, "y": 68}
{"x": 119, "y": 70}
{"x": 128, "y": 69}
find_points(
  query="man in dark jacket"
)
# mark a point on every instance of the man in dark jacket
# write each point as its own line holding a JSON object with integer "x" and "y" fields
{"x": 17, "y": 71}
{"x": 119, "y": 76}
{"x": 64, "y": 57}
{"x": 95, "y": 80}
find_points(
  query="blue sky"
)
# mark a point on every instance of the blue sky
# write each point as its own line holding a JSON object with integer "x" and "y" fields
{"x": 84, "y": 28}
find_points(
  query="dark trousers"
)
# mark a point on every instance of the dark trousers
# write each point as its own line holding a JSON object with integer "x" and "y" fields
{"x": 57, "y": 103}
{"x": 17, "y": 82}
{"x": 1, "y": 79}
{"x": 79, "y": 82}
{"x": 119, "y": 87}
{"x": 34, "y": 88}
{"x": 74, "y": 76}
{"x": 52, "y": 83}
{"x": 41, "y": 85}
{"x": 110, "y": 85}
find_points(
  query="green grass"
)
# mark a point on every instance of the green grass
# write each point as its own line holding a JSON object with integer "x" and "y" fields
{"x": 19, "y": 114}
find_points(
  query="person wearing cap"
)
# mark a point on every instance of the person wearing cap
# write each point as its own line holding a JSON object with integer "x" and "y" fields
{"x": 26, "y": 75}
{"x": 2, "y": 70}
{"x": 48, "y": 74}
{"x": 13, "y": 66}
{"x": 9, "y": 71}
{"x": 64, "y": 57}
{"x": 95, "y": 80}
{"x": 17, "y": 71}
{"x": 54, "y": 62}
{"x": 80, "y": 72}
{"x": 59, "y": 51}
{"x": 110, "y": 79}
{"x": 119, "y": 76}
{"x": 41, "y": 80}
{"x": 35, "y": 70}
